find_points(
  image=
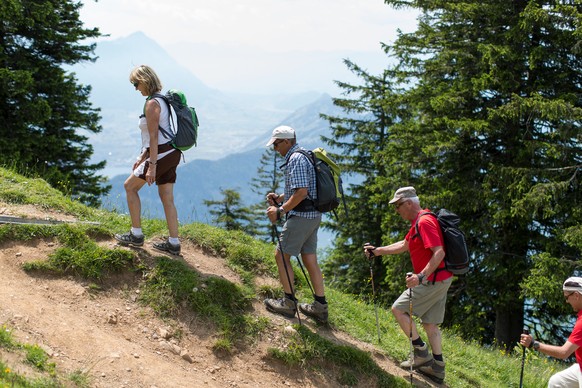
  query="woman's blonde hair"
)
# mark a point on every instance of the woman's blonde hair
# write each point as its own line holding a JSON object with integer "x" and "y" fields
{"x": 145, "y": 75}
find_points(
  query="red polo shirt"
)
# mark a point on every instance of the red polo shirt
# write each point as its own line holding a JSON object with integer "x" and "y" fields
{"x": 576, "y": 338}
{"x": 430, "y": 236}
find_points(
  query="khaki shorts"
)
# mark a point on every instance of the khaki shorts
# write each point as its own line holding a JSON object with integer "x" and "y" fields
{"x": 299, "y": 235}
{"x": 428, "y": 301}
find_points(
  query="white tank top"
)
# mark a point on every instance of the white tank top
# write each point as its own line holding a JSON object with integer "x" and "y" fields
{"x": 164, "y": 123}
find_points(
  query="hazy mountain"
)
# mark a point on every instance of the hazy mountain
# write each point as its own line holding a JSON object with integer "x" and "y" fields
{"x": 248, "y": 68}
{"x": 232, "y": 136}
{"x": 200, "y": 180}
{"x": 228, "y": 121}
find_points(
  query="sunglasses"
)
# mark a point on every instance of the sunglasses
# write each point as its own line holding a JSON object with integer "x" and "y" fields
{"x": 276, "y": 144}
{"x": 569, "y": 295}
{"x": 135, "y": 84}
{"x": 398, "y": 204}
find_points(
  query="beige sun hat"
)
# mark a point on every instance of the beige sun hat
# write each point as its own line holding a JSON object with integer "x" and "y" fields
{"x": 402, "y": 193}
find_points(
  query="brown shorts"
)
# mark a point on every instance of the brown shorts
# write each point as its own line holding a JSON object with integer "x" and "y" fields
{"x": 166, "y": 166}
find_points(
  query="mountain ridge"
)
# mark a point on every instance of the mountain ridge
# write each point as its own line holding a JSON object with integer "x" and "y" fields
{"x": 235, "y": 119}
{"x": 232, "y": 135}
{"x": 203, "y": 179}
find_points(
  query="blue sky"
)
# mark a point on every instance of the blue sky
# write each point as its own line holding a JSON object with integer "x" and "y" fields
{"x": 259, "y": 45}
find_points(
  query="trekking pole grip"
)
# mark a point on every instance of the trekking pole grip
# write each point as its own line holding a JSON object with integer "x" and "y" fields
{"x": 369, "y": 251}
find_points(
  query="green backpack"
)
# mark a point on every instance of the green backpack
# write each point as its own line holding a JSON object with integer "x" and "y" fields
{"x": 183, "y": 120}
{"x": 328, "y": 181}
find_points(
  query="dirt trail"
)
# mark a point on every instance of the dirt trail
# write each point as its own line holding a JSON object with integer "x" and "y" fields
{"x": 123, "y": 344}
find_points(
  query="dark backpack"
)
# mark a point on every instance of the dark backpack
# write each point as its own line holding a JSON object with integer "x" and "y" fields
{"x": 328, "y": 183}
{"x": 457, "y": 254}
{"x": 183, "y": 120}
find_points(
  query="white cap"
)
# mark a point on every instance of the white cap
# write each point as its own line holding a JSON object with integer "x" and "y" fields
{"x": 282, "y": 132}
{"x": 573, "y": 284}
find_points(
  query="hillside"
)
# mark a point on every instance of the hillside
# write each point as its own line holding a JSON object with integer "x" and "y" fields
{"x": 99, "y": 329}
{"x": 76, "y": 310}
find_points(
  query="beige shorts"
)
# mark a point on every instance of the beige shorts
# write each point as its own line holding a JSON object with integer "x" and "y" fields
{"x": 428, "y": 301}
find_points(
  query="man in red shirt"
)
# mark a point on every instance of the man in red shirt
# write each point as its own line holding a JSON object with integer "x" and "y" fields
{"x": 572, "y": 376}
{"x": 430, "y": 281}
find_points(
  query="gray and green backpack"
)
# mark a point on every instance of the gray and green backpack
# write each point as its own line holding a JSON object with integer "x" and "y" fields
{"x": 183, "y": 120}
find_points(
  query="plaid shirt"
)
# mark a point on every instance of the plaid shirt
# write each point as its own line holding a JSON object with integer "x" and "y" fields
{"x": 299, "y": 173}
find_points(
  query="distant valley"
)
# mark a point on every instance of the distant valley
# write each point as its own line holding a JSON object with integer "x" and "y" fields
{"x": 233, "y": 133}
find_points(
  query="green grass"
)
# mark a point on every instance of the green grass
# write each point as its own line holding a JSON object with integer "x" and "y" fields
{"x": 172, "y": 288}
{"x": 6, "y": 340}
{"x": 171, "y": 284}
{"x": 80, "y": 255}
{"x": 9, "y": 378}
{"x": 32, "y": 355}
{"x": 38, "y": 358}
{"x": 306, "y": 347}
{"x": 468, "y": 364}
{"x": 80, "y": 379}
{"x": 245, "y": 255}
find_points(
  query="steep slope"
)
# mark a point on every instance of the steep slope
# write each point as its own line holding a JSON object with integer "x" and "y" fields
{"x": 101, "y": 329}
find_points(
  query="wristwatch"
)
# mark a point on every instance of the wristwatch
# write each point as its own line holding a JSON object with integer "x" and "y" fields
{"x": 420, "y": 276}
{"x": 536, "y": 345}
{"x": 280, "y": 210}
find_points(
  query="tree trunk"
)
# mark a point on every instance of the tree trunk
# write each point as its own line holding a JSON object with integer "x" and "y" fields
{"x": 508, "y": 326}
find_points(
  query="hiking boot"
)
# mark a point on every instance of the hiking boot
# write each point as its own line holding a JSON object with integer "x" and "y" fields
{"x": 167, "y": 246}
{"x": 129, "y": 238}
{"x": 315, "y": 310}
{"x": 283, "y": 306}
{"x": 434, "y": 370}
{"x": 421, "y": 357}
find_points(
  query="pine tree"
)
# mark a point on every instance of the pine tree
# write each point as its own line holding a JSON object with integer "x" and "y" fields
{"x": 482, "y": 114}
{"x": 43, "y": 110}
{"x": 268, "y": 180}
{"x": 361, "y": 133}
{"x": 230, "y": 214}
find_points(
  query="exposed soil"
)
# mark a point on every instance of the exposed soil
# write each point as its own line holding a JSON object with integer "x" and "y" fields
{"x": 120, "y": 343}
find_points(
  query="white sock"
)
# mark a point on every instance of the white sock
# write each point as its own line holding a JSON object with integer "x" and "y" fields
{"x": 136, "y": 232}
{"x": 174, "y": 240}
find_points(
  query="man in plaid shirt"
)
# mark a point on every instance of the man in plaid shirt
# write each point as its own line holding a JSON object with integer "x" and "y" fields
{"x": 299, "y": 234}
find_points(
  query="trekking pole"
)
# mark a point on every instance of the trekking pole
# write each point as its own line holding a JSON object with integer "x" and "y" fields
{"x": 525, "y": 331}
{"x": 304, "y": 274}
{"x": 287, "y": 272}
{"x": 409, "y": 274}
{"x": 373, "y": 291}
{"x": 302, "y": 270}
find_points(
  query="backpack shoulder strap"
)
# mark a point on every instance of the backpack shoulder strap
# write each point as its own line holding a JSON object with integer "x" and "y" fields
{"x": 157, "y": 95}
{"x": 434, "y": 274}
{"x": 308, "y": 154}
{"x": 160, "y": 128}
{"x": 418, "y": 220}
